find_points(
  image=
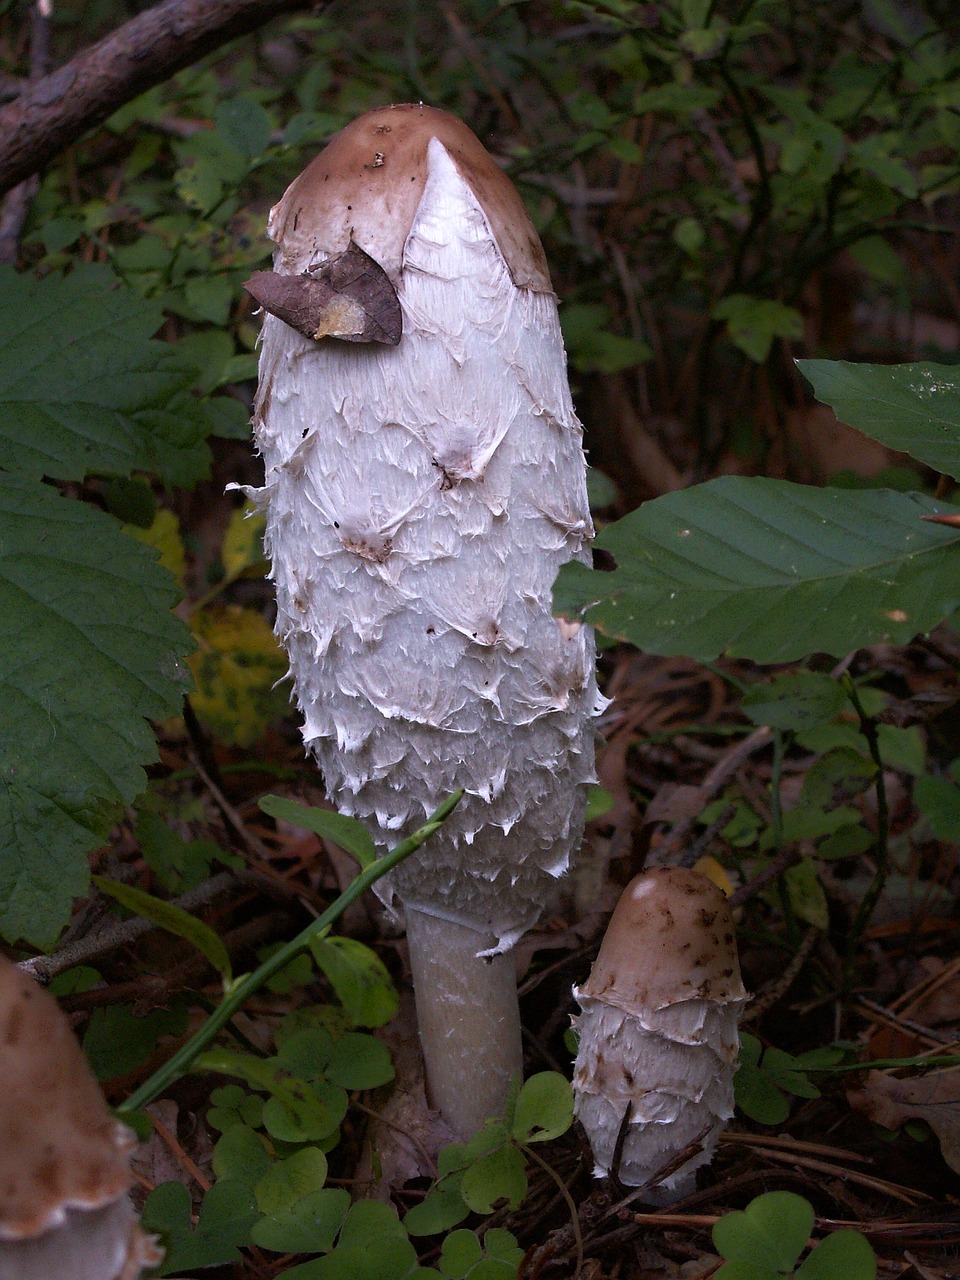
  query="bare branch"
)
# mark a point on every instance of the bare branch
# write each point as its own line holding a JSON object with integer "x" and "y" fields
{"x": 54, "y": 111}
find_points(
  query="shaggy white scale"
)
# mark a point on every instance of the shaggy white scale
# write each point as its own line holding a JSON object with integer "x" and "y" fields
{"x": 420, "y": 500}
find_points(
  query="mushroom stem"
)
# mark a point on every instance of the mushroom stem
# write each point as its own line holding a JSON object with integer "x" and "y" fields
{"x": 469, "y": 1019}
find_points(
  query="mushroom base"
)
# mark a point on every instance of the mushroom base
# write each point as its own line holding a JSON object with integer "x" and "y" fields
{"x": 469, "y": 1019}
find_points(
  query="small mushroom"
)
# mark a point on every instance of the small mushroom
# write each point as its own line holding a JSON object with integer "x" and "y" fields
{"x": 64, "y": 1160}
{"x": 658, "y": 1032}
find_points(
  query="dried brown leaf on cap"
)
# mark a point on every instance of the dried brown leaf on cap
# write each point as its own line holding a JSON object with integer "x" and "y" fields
{"x": 348, "y": 297}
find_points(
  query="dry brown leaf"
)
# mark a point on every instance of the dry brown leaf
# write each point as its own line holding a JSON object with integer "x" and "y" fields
{"x": 348, "y": 296}
{"x": 933, "y": 1097}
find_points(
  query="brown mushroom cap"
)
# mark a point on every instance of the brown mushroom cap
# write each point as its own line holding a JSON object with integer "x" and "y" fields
{"x": 670, "y": 939}
{"x": 366, "y": 184}
{"x": 59, "y": 1146}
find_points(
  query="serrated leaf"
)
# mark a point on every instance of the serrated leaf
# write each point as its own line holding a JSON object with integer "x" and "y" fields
{"x": 172, "y": 918}
{"x": 348, "y": 833}
{"x": 768, "y": 570}
{"x": 90, "y": 649}
{"x": 84, "y": 387}
{"x": 913, "y": 408}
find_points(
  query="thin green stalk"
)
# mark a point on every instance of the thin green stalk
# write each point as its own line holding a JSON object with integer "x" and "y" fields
{"x": 243, "y": 988}
{"x": 868, "y": 902}
{"x": 776, "y": 818}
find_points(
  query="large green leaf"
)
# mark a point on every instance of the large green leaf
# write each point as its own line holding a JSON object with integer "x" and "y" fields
{"x": 84, "y": 388}
{"x": 914, "y": 408}
{"x": 88, "y": 649}
{"x": 769, "y": 570}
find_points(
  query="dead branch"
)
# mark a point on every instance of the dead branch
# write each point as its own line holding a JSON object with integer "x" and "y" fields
{"x": 50, "y": 113}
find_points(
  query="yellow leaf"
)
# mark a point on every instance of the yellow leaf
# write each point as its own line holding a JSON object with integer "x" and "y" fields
{"x": 243, "y": 542}
{"x": 164, "y": 536}
{"x": 712, "y": 869}
{"x": 236, "y": 666}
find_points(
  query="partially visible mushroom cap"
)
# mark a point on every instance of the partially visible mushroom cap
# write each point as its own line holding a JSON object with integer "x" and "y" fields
{"x": 670, "y": 939}
{"x": 366, "y": 184}
{"x": 64, "y": 1160}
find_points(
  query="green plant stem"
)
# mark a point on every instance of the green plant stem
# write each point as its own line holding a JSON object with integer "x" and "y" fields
{"x": 868, "y": 902}
{"x": 244, "y": 987}
{"x": 568, "y": 1198}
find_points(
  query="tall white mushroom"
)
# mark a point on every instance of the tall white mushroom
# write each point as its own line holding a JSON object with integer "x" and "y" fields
{"x": 64, "y": 1160}
{"x": 658, "y": 1032}
{"x": 420, "y": 499}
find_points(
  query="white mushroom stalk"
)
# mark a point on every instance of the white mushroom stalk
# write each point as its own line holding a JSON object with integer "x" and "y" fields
{"x": 658, "y": 1032}
{"x": 64, "y": 1160}
{"x": 420, "y": 500}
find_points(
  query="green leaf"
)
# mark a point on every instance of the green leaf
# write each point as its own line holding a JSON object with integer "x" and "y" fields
{"x": 172, "y": 918}
{"x": 599, "y": 802}
{"x": 772, "y": 1231}
{"x": 244, "y": 124}
{"x": 756, "y": 1094}
{"x": 440, "y": 1209}
{"x": 798, "y": 700}
{"x": 768, "y": 570}
{"x": 845, "y": 1253}
{"x": 91, "y": 649}
{"x": 241, "y": 1155}
{"x": 463, "y": 1258}
{"x": 348, "y": 833}
{"x": 806, "y": 895}
{"x": 914, "y": 408}
{"x": 544, "y": 1108}
{"x": 359, "y": 1062}
{"x": 297, "y": 1111}
{"x": 360, "y": 979}
{"x": 753, "y": 323}
{"x": 288, "y": 1180}
{"x": 591, "y": 347}
{"x": 232, "y": 1105}
{"x": 178, "y": 864}
{"x": 167, "y": 1213}
{"x": 938, "y": 799}
{"x": 461, "y": 1250}
{"x": 116, "y": 1042}
{"x": 309, "y": 1225}
{"x": 499, "y": 1175}
{"x": 84, "y": 388}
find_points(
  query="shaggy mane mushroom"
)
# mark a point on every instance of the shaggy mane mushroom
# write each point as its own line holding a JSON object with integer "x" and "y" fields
{"x": 420, "y": 499}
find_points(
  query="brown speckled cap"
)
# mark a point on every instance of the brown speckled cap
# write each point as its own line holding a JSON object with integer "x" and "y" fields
{"x": 671, "y": 938}
{"x": 366, "y": 185}
{"x": 59, "y": 1146}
